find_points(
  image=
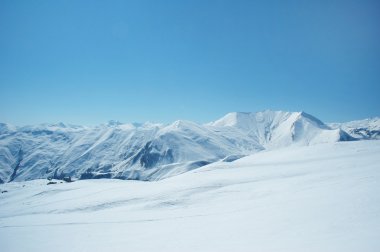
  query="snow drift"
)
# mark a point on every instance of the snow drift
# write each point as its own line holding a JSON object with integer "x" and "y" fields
{"x": 315, "y": 198}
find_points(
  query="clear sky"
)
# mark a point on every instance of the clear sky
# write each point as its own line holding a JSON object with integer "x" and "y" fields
{"x": 87, "y": 62}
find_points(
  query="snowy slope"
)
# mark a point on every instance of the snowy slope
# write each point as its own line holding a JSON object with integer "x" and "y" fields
{"x": 361, "y": 129}
{"x": 322, "y": 197}
{"x": 150, "y": 151}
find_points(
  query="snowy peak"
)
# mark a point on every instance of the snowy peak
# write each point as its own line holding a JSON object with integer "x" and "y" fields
{"x": 182, "y": 125}
{"x": 314, "y": 120}
{"x": 114, "y": 123}
{"x": 247, "y": 120}
{"x": 6, "y": 128}
{"x": 234, "y": 119}
{"x": 278, "y": 128}
{"x": 360, "y": 129}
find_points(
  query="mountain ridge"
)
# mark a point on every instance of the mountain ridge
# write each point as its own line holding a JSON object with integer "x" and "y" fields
{"x": 151, "y": 151}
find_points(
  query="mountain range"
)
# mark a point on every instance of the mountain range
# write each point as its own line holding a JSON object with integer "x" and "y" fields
{"x": 152, "y": 151}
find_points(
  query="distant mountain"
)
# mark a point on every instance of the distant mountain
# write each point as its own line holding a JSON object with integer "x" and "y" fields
{"x": 151, "y": 151}
{"x": 273, "y": 129}
{"x": 361, "y": 129}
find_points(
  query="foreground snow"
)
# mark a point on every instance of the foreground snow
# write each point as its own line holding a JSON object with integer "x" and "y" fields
{"x": 317, "y": 198}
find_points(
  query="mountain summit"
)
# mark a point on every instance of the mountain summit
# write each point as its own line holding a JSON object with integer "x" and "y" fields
{"x": 151, "y": 151}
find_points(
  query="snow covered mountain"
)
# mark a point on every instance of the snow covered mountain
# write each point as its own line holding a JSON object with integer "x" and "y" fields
{"x": 273, "y": 129}
{"x": 361, "y": 129}
{"x": 150, "y": 151}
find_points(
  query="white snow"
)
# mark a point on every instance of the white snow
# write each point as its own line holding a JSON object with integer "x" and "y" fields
{"x": 323, "y": 197}
{"x": 361, "y": 129}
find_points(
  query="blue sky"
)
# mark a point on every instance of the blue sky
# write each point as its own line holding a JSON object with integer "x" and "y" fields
{"x": 87, "y": 62}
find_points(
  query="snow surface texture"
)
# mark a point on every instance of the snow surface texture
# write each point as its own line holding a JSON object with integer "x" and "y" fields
{"x": 151, "y": 151}
{"x": 322, "y": 197}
